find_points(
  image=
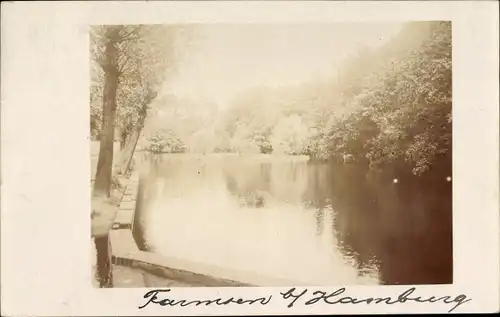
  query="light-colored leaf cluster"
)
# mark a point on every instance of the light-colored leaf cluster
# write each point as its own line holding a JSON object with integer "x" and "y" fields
{"x": 145, "y": 58}
{"x": 385, "y": 106}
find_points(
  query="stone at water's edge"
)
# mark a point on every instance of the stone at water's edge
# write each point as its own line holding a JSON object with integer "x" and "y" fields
{"x": 127, "y": 277}
{"x": 104, "y": 210}
{"x": 127, "y": 204}
{"x": 123, "y": 242}
{"x": 124, "y": 217}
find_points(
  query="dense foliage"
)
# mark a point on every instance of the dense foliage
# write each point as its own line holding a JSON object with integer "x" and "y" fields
{"x": 402, "y": 113}
{"x": 165, "y": 141}
{"x": 146, "y": 57}
{"x": 386, "y": 106}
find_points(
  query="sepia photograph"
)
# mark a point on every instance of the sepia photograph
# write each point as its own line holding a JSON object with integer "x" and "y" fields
{"x": 190, "y": 158}
{"x": 258, "y": 154}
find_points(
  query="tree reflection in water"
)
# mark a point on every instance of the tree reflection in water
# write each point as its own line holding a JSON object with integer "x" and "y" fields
{"x": 397, "y": 233}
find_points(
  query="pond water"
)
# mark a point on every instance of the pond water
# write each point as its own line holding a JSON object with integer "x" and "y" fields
{"x": 285, "y": 217}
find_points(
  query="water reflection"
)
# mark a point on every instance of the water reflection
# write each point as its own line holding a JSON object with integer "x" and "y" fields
{"x": 286, "y": 217}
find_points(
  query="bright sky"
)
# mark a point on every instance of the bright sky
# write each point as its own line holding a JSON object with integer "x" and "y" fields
{"x": 228, "y": 59}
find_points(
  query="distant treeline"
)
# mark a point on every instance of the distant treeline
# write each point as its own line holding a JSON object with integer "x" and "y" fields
{"x": 388, "y": 107}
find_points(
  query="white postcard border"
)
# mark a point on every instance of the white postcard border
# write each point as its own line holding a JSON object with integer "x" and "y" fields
{"x": 45, "y": 244}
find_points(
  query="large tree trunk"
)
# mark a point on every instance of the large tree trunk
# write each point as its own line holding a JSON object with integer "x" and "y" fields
{"x": 104, "y": 263}
{"x": 102, "y": 185}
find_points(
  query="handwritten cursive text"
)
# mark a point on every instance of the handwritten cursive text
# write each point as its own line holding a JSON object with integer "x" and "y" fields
{"x": 334, "y": 298}
{"x": 152, "y": 298}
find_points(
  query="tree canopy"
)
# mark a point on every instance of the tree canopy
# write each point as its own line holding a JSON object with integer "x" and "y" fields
{"x": 383, "y": 106}
{"x": 146, "y": 57}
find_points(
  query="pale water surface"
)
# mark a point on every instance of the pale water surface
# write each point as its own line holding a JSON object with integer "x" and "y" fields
{"x": 279, "y": 216}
